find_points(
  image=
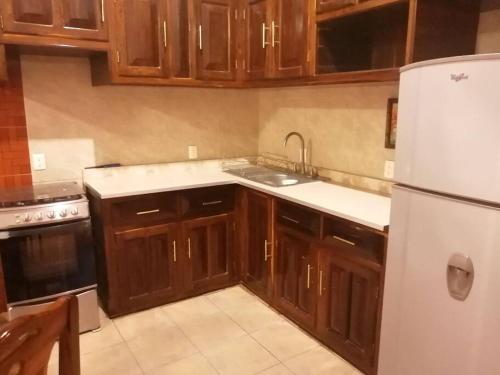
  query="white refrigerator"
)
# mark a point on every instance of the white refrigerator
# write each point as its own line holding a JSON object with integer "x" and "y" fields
{"x": 441, "y": 309}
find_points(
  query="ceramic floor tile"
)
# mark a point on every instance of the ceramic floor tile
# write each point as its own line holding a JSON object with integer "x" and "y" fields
{"x": 95, "y": 341}
{"x": 194, "y": 365}
{"x": 320, "y": 361}
{"x": 193, "y": 308}
{"x": 284, "y": 340}
{"x": 114, "y": 360}
{"x": 242, "y": 356}
{"x": 232, "y": 298}
{"x": 277, "y": 370}
{"x": 210, "y": 330}
{"x": 254, "y": 316}
{"x": 160, "y": 347}
{"x": 140, "y": 323}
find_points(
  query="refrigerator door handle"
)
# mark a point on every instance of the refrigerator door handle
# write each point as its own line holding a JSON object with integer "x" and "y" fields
{"x": 460, "y": 276}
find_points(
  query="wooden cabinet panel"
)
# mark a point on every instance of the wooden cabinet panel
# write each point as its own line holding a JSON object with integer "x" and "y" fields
{"x": 290, "y": 33}
{"x": 209, "y": 248}
{"x": 326, "y": 5}
{"x": 348, "y": 307}
{"x": 141, "y": 37}
{"x": 179, "y": 38}
{"x": 216, "y": 57}
{"x": 295, "y": 291}
{"x": 146, "y": 263}
{"x": 3, "y": 63}
{"x": 258, "y": 243}
{"x": 84, "y": 18}
{"x": 257, "y": 36}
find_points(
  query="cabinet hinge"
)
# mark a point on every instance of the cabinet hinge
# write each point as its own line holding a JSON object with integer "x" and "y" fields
{"x": 118, "y": 57}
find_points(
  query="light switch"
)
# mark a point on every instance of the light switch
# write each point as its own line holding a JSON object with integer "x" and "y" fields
{"x": 389, "y": 169}
{"x": 193, "y": 152}
{"x": 39, "y": 163}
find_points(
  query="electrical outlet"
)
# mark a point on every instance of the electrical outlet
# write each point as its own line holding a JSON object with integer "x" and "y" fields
{"x": 39, "y": 162}
{"x": 389, "y": 169}
{"x": 193, "y": 152}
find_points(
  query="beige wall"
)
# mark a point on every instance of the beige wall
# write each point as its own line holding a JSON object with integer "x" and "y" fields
{"x": 488, "y": 38}
{"x": 77, "y": 125}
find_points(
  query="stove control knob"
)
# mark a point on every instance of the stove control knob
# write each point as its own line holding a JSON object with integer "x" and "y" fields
{"x": 51, "y": 214}
{"x": 39, "y": 216}
{"x": 27, "y": 218}
{"x": 63, "y": 213}
{"x": 74, "y": 211}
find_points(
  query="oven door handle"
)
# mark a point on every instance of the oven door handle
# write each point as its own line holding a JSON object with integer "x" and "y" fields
{"x": 33, "y": 231}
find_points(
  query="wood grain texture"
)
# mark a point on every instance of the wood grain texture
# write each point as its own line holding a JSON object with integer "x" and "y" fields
{"x": 28, "y": 340}
{"x": 15, "y": 167}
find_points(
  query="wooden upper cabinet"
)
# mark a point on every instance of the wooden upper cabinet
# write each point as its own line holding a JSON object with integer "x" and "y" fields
{"x": 83, "y": 19}
{"x": 146, "y": 263}
{"x": 216, "y": 39}
{"x": 348, "y": 307}
{"x": 208, "y": 244}
{"x": 295, "y": 270}
{"x": 289, "y": 37}
{"x": 141, "y": 32}
{"x": 256, "y": 40}
{"x": 258, "y": 243}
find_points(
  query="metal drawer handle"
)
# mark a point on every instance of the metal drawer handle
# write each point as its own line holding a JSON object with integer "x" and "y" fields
{"x": 309, "y": 276}
{"x": 290, "y": 219}
{"x": 148, "y": 212}
{"x": 174, "y": 245}
{"x": 266, "y": 254}
{"x": 345, "y": 241}
{"x": 212, "y": 203}
{"x": 189, "y": 247}
{"x": 321, "y": 282}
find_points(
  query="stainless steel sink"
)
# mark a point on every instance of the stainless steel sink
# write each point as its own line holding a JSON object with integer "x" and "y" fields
{"x": 269, "y": 176}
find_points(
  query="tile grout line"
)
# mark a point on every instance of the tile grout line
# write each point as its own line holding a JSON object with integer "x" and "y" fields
{"x": 128, "y": 347}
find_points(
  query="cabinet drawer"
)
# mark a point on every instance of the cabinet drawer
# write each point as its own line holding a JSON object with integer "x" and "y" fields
{"x": 145, "y": 209}
{"x": 354, "y": 238}
{"x": 298, "y": 218}
{"x": 207, "y": 201}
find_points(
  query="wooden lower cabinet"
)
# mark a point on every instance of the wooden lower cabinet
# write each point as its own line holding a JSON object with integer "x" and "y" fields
{"x": 348, "y": 304}
{"x": 209, "y": 252}
{"x": 258, "y": 247}
{"x": 295, "y": 269}
{"x": 147, "y": 266}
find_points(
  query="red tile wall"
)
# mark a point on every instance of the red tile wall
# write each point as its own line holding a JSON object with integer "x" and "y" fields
{"x": 15, "y": 169}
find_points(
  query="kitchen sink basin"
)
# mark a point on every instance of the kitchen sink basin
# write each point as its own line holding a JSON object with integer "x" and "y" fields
{"x": 269, "y": 176}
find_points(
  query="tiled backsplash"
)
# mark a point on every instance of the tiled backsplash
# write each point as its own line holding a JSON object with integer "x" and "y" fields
{"x": 14, "y": 154}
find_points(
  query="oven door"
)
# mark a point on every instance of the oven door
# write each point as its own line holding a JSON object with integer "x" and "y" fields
{"x": 46, "y": 261}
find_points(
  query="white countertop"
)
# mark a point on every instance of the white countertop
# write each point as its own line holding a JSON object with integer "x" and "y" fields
{"x": 364, "y": 208}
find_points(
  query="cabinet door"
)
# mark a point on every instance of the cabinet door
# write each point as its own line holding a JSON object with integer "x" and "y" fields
{"x": 326, "y": 5}
{"x": 209, "y": 250}
{"x": 216, "y": 52}
{"x": 258, "y": 238}
{"x": 257, "y": 38}
{"x": 28, "y": 16}
{"x": 295, "y": 291}
{"x": 348, "y": 307}
{"x": 178, "y": 38}
{"x": 141, "y": 34}
{"x": 84, "y": 18}
{"x": 146, "y": 263}
{"x": 289, "y": 31}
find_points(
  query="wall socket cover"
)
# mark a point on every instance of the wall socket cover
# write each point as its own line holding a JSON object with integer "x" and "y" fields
{"x": 193, "y": 152}
{"x": 389, "y": 169}
{"x": 39, "y": 162}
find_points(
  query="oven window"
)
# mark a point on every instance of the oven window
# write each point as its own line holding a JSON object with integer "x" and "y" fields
{"x": 48, "y": 261}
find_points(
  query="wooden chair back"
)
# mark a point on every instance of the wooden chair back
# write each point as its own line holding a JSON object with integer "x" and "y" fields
{"x": 27, "y": 341}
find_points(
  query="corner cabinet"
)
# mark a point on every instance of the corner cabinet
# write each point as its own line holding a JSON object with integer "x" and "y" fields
{"x": 215, "y": 24}
{"x": 82, "y": 19}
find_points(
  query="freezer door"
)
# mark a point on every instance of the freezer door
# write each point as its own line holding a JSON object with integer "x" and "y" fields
{"x": 448, "y": 136}
{"x": 425, "y": 329}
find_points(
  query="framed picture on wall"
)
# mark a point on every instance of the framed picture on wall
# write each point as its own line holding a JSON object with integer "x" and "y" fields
{"x": 392, "y": 123}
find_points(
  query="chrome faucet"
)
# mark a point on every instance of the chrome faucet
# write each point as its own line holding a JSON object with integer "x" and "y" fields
{"x": 302, "y": 150}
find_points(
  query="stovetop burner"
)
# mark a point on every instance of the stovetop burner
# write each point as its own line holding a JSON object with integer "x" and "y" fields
{"x": 40, "y": 194}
